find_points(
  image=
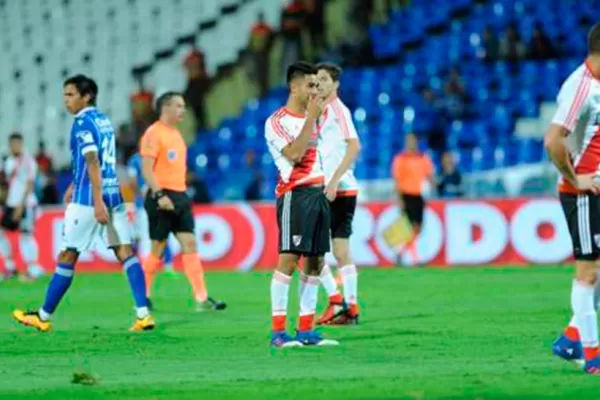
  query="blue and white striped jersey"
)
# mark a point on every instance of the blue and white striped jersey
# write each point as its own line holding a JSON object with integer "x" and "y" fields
{"x": 93, "y": 131}
{"x": 134, "y": 169}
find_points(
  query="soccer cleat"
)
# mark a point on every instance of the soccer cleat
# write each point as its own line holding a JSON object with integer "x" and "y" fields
{"x": 592, "y": 366}
{"x": 211, "y": 304}
{"x": 31, "y": 318}
{"x": 345, "y": 319}
{"x": 567, "y": 349}
{"x": 334, "y": 309}
{"x": 312, "y": 338}
{"x": 282, "y": 339}
{"x": 143, "y": 324}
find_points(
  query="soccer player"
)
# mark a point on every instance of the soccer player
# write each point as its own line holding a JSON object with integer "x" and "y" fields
{"x": 573, "y": 144}
{"x": 169, "y": 209}
{"x": 134, "y": 169}
{"x": 302, "y": 208}
{"x": 339, "y": 146}
{"x": 20, "y": 169}
{"x": 411, "y": 169}
{"x": 95, "y": 208}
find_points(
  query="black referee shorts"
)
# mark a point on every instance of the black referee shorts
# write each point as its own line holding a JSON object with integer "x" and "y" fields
{"x": 303, "y": 218}
{"x": 162, "y": 222}
{"x": 414, "y": 207}
{"x": 582, "y": 213}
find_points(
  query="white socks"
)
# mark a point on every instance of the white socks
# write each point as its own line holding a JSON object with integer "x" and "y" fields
{"x": 6, "y": 252}
{"x": 308, "y": 299}
{"x": 142, "y": 312}
{"x": 328, "y": 281}
{"x": 350, "y": 283}
{"x": 584, "y": 313}
{"x": 280, "y": 288}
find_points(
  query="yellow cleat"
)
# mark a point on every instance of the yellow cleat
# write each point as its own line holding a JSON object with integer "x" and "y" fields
{"x": 31, "y": 318}
{"x": 143, "y": 324}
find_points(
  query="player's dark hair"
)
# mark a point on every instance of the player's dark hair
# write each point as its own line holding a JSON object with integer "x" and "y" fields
{"x": 334, "y": 70}
{"x": 15, "y": 136}
{"x": 85, "y": 86}
{"x": 594, "y": 39}
{"x": 165, "y": 99}
{"x": 299, "y": 69}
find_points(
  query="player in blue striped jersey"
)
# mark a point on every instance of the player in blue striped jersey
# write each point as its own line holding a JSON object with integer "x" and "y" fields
{"x": 134, "y": 168}
{"x": 95, "y": 206}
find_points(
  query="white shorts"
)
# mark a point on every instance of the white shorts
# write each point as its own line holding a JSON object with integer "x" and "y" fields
{"x": 140, "y": 223}
{"x": 81, "y": 230}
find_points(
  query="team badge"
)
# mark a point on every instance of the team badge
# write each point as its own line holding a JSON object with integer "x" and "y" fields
{"x": 172, "y": 155}
{"x": 296, "y": 239}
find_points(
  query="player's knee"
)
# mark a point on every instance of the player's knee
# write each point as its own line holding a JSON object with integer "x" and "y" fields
{"x": 585, "y": 272}
{"x": 68, "y": 257}
{"x": 189, "y": 245}
{"x": 123, "y": 252}
{"x": 158, "y": 248}
{"x": 286, "y": 264}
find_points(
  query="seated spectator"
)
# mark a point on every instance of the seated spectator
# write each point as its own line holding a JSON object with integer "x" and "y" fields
{"x": 254, "y": 178}
{"x": 490, "y": 44}
{"x": 511, "y": 45}
{"x": 540, "y": 47}
{"x": 142, "y": 110}
{"x": 261, "y": 39}
{"x": 46, "y": 180}
{"x": 450, "y": 180}
{"x": 197, "y": 189}
{"x": 292, "y": 24}
{"x": 432, "y": 112}
{"x": 455, "y": 92}
{"x": 198, "y": 85}
{"x": 44, "y": 161}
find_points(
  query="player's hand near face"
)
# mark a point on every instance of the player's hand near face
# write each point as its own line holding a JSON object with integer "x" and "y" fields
{"x": 100, "y": 213}
{"x": 315, "y": 107}
{"x": 587, "y": 183}
{"x": 331, "y": 190}
{"x": 165, "y": 203}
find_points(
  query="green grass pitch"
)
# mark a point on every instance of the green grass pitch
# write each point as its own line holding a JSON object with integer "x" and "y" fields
{"x": 425, "y": 334}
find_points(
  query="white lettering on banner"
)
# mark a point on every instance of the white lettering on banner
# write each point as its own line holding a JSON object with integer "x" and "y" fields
{"x": 258, "y": 238}
{"x": 461, "y": 245}
{"x": 218, "y": 235}
{"x": 429, "y": 242}
{"x": 524, "y": 232}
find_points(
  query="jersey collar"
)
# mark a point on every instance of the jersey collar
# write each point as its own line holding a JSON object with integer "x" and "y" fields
{"x": 84, "y": 110}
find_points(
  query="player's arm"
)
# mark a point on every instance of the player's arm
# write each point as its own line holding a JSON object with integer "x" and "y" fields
{"x": 558, "y": 153}
{"x": 353, "y": 144}
{"x": 149, "y": 149}
{"x": 296, "y": 149}
{"x": 87, "y": 143}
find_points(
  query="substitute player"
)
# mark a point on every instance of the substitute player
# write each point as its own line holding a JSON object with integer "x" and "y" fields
{"x": 573, "y": 144}
{"x": 339, "y": 146}
{"x": 20, "y": 209}
{"x": 302, "y": 208}
{"x": 134, "y": 170}
{"x": 411, "y": 170}
{"x": 169, "y": 209}
{"x": 95, "y": 208}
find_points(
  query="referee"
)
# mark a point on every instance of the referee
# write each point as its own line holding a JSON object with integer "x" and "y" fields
{"x": 164, "y": 168}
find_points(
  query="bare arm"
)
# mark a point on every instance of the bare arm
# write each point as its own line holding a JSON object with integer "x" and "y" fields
{"x": 349, "y": 157}
{"x": 148, "y": 174}
{"x": 557, "y": 151}
{"x": 93, "y": 167}
{"x": 297, "y": 148}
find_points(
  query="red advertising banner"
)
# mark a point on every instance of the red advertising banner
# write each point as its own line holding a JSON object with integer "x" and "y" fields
{"x": 456, "y": 232}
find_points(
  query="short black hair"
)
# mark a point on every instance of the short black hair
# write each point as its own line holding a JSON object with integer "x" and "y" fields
{"x": 165, "y": 98}
{"x": 85, "y": 86}
{"x": 594, "y": 39}
{"x": 334, "y": 70}
{"x": 300, "y": 69}
{"x": 15, "y": 136}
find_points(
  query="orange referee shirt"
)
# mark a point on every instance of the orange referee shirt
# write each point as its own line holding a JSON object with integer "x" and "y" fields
{"x": 410, "y": 170}
{"x": 165, "y": 144}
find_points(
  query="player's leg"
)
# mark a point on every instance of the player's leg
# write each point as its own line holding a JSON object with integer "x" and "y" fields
{"x": 414, "y": 210}
{"x": 153, "y": 262}
{"x": 8, "y": 225}
{"x": 316, "y": 231}
{"x": 349, "y": 274}
{"x": 28, "y": 245}
{"x": 580, "y": 339}
{"x": 119, "y": 237}
{"x": 280, "y": 289}
{"x": 168, "y": 261}
{"x": 159, "y": 227}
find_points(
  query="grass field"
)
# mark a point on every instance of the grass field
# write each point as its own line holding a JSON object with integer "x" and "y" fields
{"x": 425, "y": 334}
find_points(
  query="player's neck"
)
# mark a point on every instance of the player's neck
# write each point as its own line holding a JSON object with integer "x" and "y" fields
{"x": 167, "y": 121}
{"x": 593, "y": 63}
{"x": 295, "y": 107}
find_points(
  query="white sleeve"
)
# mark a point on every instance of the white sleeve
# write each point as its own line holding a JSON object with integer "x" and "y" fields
{"x": 572, "y": 102}
{"x": 276, "y": 134}
{"x": 352, "y": 134}
{"x": 31, "y": 169}
{"x": 343, "y": 115}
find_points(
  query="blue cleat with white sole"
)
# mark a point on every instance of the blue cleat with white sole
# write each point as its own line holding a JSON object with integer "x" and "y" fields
{"x": 312, "y": 338}
{"x": 592, "y": 367}
{"x": 567, "y": 349}
{"x": 281, "y": 339}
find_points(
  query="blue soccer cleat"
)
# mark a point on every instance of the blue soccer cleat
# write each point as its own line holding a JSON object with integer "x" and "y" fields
{"x": 592, "y": 367}
{"x": 312, "y": 338}
{"x": 282, "y": 339}
{"x": 567, "y": 349}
